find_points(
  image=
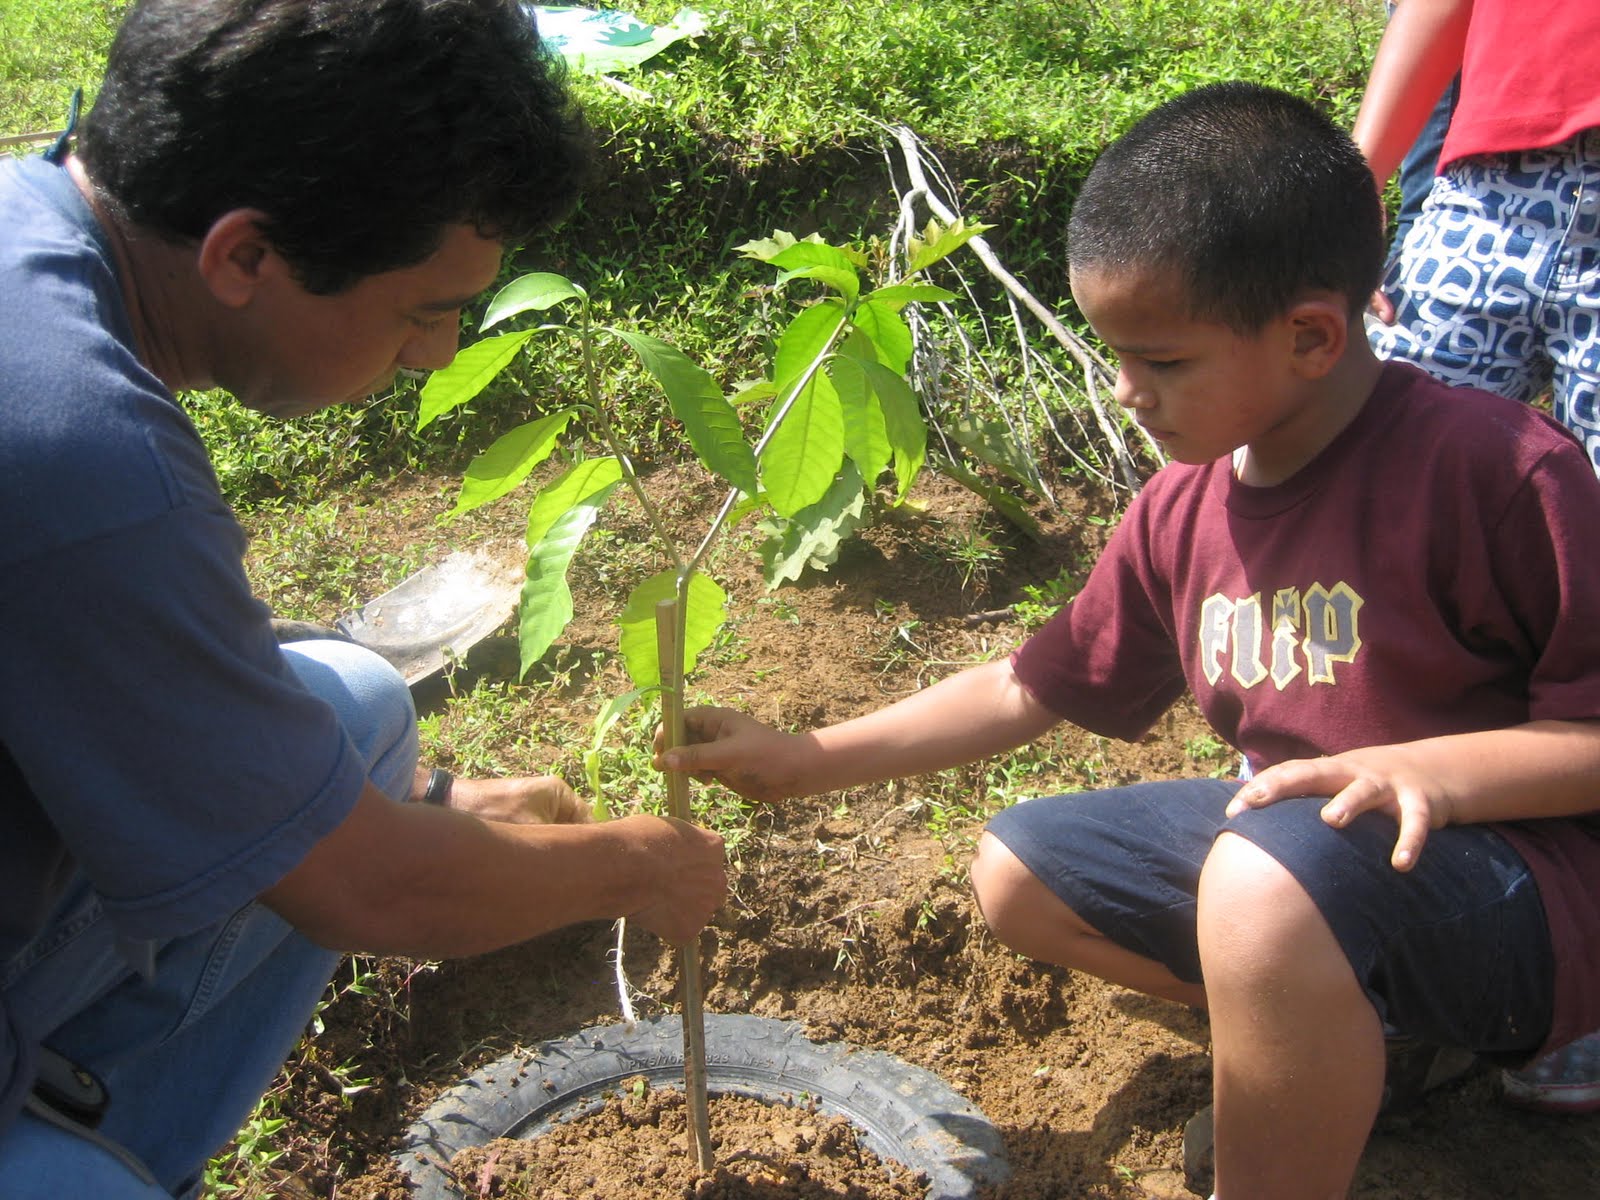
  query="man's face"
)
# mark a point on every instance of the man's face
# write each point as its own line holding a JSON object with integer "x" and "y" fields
{"x": 1197, "y": 387}
{"x": 310, "y": 352}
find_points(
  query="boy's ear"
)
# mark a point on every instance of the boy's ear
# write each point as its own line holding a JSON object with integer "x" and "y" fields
{"x": 1319, "y": 327}
{"x": 236, "y": 257}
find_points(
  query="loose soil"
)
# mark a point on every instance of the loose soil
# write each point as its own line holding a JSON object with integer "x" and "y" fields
{"x": 850, "y": 913}
{"x": 764, "y": 1151}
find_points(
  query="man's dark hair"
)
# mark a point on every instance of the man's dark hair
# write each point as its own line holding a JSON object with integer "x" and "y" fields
{"x": 361, "y": 128}
{"x": 1248, "y": 196}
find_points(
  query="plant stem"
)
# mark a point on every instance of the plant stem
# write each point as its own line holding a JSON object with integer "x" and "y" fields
{"x": 608, "y": 434}
{"x": 669, "y": 654}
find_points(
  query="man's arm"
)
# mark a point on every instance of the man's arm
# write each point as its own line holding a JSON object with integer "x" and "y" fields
{"x": 978, "y": 713}
{"x": 1541, "y": 769}
{"x": 432, "y": 882}
{"x": 1419, "y": 54}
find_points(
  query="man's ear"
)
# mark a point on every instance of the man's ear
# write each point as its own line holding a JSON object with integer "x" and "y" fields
{"x": 1319, "y": 327}
{"x": 235, "y": 256}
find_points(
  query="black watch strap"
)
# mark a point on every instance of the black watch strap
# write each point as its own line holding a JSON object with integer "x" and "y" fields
{"x": 438, "y": 790}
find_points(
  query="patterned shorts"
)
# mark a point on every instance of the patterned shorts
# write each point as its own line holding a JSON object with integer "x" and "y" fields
{"x": 1497, "y": 284}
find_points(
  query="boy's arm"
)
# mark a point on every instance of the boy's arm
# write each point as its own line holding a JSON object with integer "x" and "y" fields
{"x": 1542, "y": 769}
{"x": 1419, "y": 54}
{"x": 980, "y": 712}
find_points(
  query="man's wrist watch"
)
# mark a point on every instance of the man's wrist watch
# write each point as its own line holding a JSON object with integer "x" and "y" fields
{"x": 438, "y": 790}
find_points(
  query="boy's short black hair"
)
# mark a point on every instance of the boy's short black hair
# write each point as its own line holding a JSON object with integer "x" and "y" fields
{"x": 1246, "y": 194}
{"x": 361, "y": 128}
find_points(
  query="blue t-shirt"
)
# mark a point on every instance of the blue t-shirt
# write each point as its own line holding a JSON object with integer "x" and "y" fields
{"x": 152, "y": 736}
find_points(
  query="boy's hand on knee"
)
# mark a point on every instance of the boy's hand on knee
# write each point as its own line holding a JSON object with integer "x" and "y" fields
{"x": 1376, "y": 779}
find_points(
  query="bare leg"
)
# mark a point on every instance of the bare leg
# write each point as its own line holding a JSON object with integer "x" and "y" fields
{"x": 1029, "y": 918}
{"x": 1297, "y": 1046}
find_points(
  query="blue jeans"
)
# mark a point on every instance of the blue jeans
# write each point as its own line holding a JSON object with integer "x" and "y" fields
{"x": 1455, "y": 952}
{"x": 188, "y": 1052}
{"x": 1421, "y": 164}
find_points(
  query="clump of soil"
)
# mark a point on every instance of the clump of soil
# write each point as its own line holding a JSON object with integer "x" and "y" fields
{"x": 635, "y": 1147}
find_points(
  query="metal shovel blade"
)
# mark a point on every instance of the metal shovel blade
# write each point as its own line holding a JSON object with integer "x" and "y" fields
{"x": 441, "y": 611}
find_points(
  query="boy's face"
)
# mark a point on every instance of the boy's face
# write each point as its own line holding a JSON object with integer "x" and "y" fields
{"x": 1197, "y": 387}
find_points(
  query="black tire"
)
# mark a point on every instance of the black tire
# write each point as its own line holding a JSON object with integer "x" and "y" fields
{"x": 903, "y": 1112}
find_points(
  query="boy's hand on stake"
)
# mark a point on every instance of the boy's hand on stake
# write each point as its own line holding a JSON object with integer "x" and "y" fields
{"x": 1376, "y": 779}
{"x": 735, "y": 750}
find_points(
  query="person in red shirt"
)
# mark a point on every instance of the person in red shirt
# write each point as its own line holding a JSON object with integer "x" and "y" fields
{"x": 1497, "y": 282}
{"x": 1381, "y": 603}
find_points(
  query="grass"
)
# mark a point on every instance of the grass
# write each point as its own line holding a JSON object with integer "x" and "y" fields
{"x": 772, "y": 120}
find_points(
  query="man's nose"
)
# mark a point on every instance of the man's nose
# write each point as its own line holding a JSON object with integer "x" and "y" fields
{"x": 433, "y": 348}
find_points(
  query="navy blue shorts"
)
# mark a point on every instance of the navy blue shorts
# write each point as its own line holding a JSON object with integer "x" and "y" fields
{"x": 1455, "y": 951}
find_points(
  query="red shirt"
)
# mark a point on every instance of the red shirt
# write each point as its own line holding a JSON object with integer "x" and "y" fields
{"x": 1528, "y": 76}
{"x": 1430, "y": 572}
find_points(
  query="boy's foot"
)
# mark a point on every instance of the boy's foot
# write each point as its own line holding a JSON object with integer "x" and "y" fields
{"x": 1567, "y": 1081}
{"x": 1412, "y": 1068}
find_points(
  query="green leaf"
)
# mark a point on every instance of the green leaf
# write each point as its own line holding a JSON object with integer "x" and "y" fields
{"x": 805, "y": 341}
{"x": 766, "y": 249}
{"x": 507, "y": 463}
{"x": 811, "y": 537}
{"x": 761, "y": 389}
{"x": 819, "y": 261}
{"x": 938, "y": 241}
{"x": 604, "y": 720}
{"x": 888, "y": 331}
{"x": 994, "y": 443}
{"x": 848, "y": 283}
{"x": 866, "y": 440}
{"x": 703, "y": 613}
{"x": 1007, "y": 505}
{"x": 578, "y": 481}
{"x": 562, "y": 513}
{"x": 805, "y": 450}
{"x": 696, "y": 400}
{"x": 900, "y": 294}
{"x": 535, "y": 292}
{"x": 902, "y": 418}
{"x": 452, "y": 386}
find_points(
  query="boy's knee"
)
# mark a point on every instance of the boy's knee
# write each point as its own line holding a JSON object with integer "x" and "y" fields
{"x": 1254, "y": 918}
{"x": 995, "y": 876}
{"x": 1012, "y": 899}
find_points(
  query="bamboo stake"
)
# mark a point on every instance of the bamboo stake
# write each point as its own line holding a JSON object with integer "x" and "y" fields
{"x": 669, "y": 642}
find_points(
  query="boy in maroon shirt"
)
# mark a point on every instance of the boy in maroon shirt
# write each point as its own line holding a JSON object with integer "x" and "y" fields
{"x": 1380, "y": 603}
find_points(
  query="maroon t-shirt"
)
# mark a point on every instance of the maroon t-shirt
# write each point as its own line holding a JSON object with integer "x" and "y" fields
{"x": 1433, "y": 571}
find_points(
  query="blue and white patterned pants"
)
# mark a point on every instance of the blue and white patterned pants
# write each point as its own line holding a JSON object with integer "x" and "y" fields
{"x": 1497, "y": 283}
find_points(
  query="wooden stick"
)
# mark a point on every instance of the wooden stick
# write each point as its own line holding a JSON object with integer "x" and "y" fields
{"x": 669, "y": 640}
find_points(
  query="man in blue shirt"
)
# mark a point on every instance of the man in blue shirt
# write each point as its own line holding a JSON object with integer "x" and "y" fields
{"x": 292, "y": 200}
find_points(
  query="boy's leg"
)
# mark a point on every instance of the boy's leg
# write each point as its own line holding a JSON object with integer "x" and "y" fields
{"x": 1454, "y": 953}
{"x": 186, "y": 1054}
{"x": 1026, "y": 916}
{"x": 1286, "y": 1011}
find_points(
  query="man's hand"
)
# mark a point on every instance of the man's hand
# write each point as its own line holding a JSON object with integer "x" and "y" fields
{"x": 1376, "y": 779}
{"x": 692, "y": 880}
{"x": 535, "y": 800}
{"x": 736, "y": 751}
